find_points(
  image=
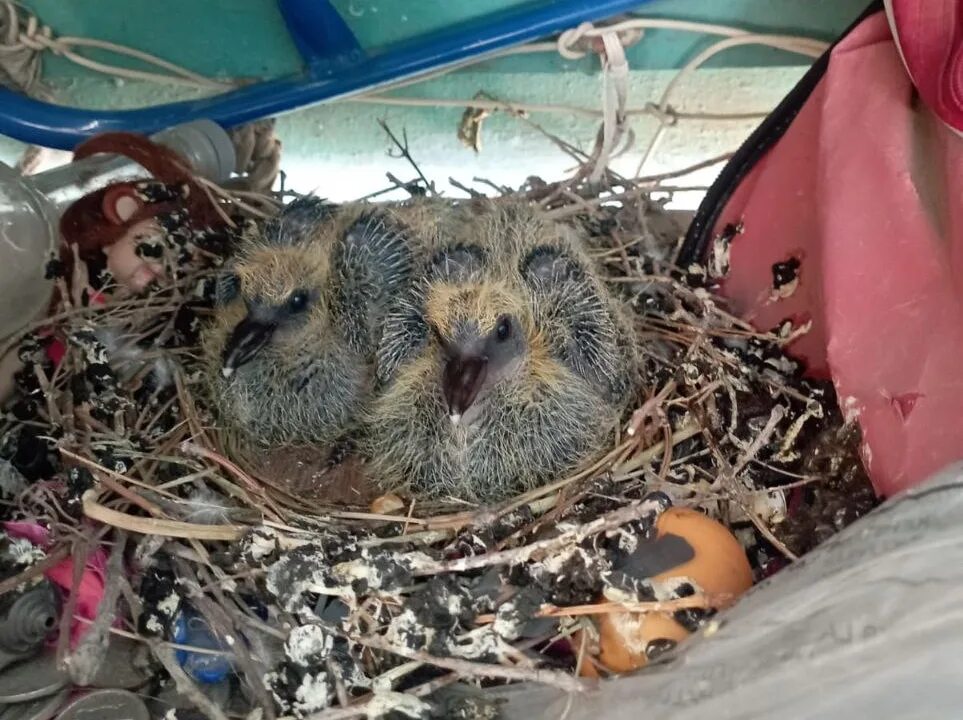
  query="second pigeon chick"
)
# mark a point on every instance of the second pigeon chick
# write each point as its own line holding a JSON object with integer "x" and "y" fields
{"x": 505, "y": 366}
{"x": 289, "y": 352}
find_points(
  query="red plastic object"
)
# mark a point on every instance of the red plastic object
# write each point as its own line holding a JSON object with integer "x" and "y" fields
{"x": 865, "y": 189}
{"x": 91, "y": 589}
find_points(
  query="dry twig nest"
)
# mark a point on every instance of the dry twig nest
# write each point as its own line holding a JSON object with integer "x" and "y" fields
{"x": 336, "y": 610}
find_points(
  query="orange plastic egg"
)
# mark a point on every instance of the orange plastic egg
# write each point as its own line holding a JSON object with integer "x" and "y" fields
{"x": 718, "y": 566}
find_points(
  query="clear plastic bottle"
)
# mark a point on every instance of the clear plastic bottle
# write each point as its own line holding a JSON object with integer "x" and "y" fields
{"x": 28, "y": 235}
{"x": 30, "y": 208}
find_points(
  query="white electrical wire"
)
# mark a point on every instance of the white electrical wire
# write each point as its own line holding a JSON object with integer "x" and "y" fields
{"x": 569, "y": 43}
{"x": 781, "y": 42}
{"x": 568, "y": 47}
{"x": 489, "y": 104}
{"x": 23, "y": 39}
{"x": 34, "y": 36}
{"x": 178, "y": 75}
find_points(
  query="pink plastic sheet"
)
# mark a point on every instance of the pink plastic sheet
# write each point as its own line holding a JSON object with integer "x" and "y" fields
{"x": 866, "y": 190}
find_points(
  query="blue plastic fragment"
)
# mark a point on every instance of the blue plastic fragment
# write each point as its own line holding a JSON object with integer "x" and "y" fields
{"x": 192, "y": 629}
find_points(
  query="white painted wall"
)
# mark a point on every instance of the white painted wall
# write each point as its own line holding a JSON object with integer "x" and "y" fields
{"x": 340, "y": 152}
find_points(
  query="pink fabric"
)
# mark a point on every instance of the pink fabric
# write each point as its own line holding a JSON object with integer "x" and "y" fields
{"x": 930, "y": 37}
{"x": 865, "y": 188}
{"x": 91, "y": 588}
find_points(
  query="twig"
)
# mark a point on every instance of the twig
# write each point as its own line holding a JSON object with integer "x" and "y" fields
{"x": 766, "y": 532}
{"x": 667, "y": 606}
{"x": 408, "y": 187}
{"x": 362, "y": 705}
{"x": 655, "y": 179}
{"x": 85, "y": 661}
{"x": 652, "y": 452}
{"x": 350, "y": 515}
{"x": 775, "y": 417}
{"x": 222, "y": 625}
{"x": 81, "y": 551}
{"x": 464, "y": 188}
{"x": 119, "y": 632}
{"x": 426, "y": 537}
{"x": 728, "y": 478}
{"x": 500, "y": 189}
{"x": 38, "y": 568}
{"x": 190, "y": 448}
{"x": 185, "y": 686}
{"x": 466, "y": 668}
{"x": 378, "y": 193}
{"x": 126, "y": 493}
{"x": 233, "y": 197}
{"x": 639, "y": 416}
{"x": 526, "y": 498}
{"x": 406, "y": 154}
{"x": 46, "y": 388}
{"x": 340, "y": 691}
{"x": 612, "y": 520}
{"x": 158, "y": 526}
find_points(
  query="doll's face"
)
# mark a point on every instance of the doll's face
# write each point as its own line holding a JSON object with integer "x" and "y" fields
{"x": 129, "y": 269}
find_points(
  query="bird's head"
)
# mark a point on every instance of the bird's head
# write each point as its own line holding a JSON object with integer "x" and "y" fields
{"x": 281, "y": 288}
{"x": 482, "y": 331}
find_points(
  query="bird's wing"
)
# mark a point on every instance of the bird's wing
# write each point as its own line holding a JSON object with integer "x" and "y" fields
{"x": 297, "y": 222}
{"x": 403, "y": 336}
{"x": 371, "y": 266}
{"x": 456, "y": 263}
{"x": 575, "y": 315}
{"x": 227, "y": 286}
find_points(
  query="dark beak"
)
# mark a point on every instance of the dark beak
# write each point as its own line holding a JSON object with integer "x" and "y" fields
{"x": 247, "y": 338}
{"x": 464, "y": 375}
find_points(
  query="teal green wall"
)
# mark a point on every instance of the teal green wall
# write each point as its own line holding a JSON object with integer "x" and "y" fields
{"x": 248, "y": 37}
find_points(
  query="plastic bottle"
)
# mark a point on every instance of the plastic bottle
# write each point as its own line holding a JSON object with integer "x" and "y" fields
{"x": 868, "y": 625}
{"x": 28, "y": 235}
{"x": 30, "y": 208}
{"x": 203, "y": 143}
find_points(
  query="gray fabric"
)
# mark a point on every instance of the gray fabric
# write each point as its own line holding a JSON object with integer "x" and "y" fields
{"x": 870, "y": 625}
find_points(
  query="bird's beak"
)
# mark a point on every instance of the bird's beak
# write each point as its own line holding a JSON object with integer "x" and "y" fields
{"x": 463, "y": 378}
{"x": 247, "y": 338}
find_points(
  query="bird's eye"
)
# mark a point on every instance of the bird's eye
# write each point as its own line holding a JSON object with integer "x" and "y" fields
{"x": 503, "y": 330}
{"x": 298, "y": 301}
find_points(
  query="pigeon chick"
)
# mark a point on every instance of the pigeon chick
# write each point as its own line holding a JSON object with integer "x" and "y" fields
{"x": 507, "y": 364}
{"x": 289, "y": 353}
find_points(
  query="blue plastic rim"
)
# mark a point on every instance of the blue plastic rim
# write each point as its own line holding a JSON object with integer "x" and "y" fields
{"x": 335, "y": 67}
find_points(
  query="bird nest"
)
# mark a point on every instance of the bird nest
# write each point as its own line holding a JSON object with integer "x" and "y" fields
{"x": 339, "y": 610}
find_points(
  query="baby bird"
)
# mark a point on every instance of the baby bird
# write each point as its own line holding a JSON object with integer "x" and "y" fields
{"x": 289, "y": 353}
{"x": 506, "y": 365}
